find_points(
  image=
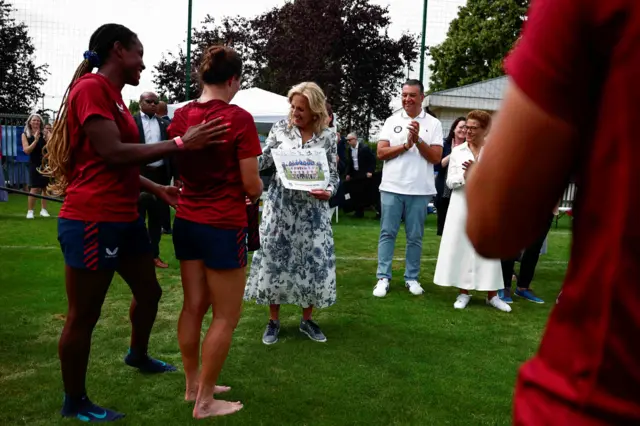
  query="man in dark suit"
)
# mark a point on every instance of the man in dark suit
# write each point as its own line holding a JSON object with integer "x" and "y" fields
{"x": 153, "y": 130}
{"x": 163, "y": 113}
{"x": 361, "y": 163}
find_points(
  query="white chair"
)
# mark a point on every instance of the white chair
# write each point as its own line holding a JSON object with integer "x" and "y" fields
{"x": 334, "y": 211}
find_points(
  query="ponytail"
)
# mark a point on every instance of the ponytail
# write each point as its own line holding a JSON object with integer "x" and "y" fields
{"x": 56, "y": 153}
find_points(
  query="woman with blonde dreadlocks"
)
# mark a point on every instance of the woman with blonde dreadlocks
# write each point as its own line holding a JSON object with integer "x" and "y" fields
{"x": 94, "y": 156}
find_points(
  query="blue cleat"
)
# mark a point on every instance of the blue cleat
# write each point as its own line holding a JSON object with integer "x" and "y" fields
{"x": 146, "y": 364}
{"x": 88, "y": 412}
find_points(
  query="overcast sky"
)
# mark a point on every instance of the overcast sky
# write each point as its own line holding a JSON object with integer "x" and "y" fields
{"x": 61, "y": 29}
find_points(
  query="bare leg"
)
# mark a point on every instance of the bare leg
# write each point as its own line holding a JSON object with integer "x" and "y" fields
{"x": 491, "y": 294}
{"x": 31, "y": 201}
{"x": 197, "y": 302}
{"x": 464, "y": 291}
{"x": 43, "y": 202}
{"x": 140, "y": 274}
{"x": 86, "y": 291}
{"x": 226, "y": 288}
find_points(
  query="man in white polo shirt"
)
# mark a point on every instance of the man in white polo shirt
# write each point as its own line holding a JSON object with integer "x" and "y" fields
{"x": 410, "y": 144}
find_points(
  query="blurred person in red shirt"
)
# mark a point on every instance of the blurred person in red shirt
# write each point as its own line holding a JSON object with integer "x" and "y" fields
{"x": 210, "y": 229}
{"x": 571, "y": 109}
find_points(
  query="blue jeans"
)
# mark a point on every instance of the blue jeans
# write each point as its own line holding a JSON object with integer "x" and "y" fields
{"x": 414, "y": 210}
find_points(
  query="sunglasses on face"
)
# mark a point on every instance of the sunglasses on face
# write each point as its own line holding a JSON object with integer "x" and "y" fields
{"x": 150, "y": 101}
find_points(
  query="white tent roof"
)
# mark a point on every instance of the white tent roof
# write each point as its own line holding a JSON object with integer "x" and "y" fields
{"x": 264, "y": 106}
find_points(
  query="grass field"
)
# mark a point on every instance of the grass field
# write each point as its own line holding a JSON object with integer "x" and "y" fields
{"x": 402, "y": 360}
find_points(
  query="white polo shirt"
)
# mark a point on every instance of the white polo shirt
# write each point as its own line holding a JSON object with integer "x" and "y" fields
{"x": 409, "y": 173}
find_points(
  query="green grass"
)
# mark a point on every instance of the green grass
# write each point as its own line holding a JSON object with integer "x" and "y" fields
{"x": 403, "y": 360}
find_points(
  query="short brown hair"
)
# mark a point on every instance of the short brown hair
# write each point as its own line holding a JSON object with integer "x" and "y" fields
{"x": 482, "y": 117}
{"x": 219, "y": 64}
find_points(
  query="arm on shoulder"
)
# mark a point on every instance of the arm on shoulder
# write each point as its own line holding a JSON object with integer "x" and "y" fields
{"x": 105, "y": 138}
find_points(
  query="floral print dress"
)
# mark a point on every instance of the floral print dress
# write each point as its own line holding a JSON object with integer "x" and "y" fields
{"x": 296, "y": 262}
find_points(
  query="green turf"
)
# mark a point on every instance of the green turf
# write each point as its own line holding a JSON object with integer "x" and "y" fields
{"x": 402, "y": 360}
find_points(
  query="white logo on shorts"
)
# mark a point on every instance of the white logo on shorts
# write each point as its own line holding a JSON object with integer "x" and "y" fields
{"x": 112, "y": 254}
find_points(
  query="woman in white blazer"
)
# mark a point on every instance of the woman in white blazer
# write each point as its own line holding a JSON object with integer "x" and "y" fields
{"x": 458, "y": 263}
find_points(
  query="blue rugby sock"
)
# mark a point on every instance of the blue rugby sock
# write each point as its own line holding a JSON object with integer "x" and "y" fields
{"x": 85, "y": 410}
{"x": 146, "y": 364}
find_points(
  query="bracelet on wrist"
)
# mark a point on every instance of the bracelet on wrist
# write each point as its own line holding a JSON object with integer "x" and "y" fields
{"x": 404, "y": 145}
{"x": 178, "y": 141}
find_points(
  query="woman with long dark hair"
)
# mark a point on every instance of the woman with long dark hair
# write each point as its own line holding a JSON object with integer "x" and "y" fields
{"x": 94, "y": 156}
{"x": 456, "y": 137}
{"x": 210, "y": 229}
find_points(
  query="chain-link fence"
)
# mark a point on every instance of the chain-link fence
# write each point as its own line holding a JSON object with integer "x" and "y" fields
{"x": 14, "y": 161}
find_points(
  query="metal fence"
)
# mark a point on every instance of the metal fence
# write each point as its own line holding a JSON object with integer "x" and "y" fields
{"x": 15, "y": 162}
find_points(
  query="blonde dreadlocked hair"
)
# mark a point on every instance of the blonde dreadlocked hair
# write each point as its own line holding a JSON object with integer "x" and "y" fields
{"x": 56, "y": 153}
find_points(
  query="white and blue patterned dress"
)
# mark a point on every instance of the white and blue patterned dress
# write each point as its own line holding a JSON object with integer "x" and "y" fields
{"x": 296, "y": 262}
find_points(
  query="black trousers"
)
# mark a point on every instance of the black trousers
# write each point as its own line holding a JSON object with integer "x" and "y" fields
{"x": 528, "y": 261}
{"x": 151, "y": 209}
{"x": 442, "y": 207}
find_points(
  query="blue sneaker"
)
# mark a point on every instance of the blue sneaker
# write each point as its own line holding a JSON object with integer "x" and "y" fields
{"x": 146, "y": 364}
{"x": 528, "y": 294}
{"x": 505, "y": 296}
{"x": 86, "y": 411}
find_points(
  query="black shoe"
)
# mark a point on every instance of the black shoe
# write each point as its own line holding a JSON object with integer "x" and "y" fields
{"x": 312, "y": 330}
{"x": 270, "y": 335}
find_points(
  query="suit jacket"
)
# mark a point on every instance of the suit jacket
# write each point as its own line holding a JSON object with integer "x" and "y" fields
{"x": 169, "y": 161}
{"x": 342, "y": 155}
{"x": 366, "y": 161}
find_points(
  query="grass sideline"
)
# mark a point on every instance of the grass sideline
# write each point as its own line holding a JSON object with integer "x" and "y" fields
{"x": 402, "y": 360}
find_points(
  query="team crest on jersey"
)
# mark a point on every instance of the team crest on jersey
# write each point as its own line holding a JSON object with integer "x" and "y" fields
{"x": 120, "y": 107}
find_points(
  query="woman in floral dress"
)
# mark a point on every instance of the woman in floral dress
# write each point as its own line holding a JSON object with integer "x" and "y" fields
{"x": 296, "y": 262}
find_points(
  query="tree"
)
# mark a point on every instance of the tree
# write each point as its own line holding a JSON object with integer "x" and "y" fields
{"x": 342, "y": 45}
{"x": 134, "y": 107}
{"x": 477, "y": 42}
{"x": 20, "y": 78}
{"x": 170, "y": 73}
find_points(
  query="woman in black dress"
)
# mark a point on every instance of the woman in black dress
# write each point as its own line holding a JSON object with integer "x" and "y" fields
{"x": 33, "y": 140}
{"x": 456, "y": 137}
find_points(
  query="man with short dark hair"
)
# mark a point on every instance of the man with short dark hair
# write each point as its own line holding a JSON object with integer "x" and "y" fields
{"x": 361, "y": 163}
{"x": 153, "y": 129}
{"x": 410, "y": 144}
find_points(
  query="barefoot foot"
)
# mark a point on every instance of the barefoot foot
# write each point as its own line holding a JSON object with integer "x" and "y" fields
{"x": 215, "y": 407}
{"x": 191, "y": 393}
{"x": 221, "y": 389}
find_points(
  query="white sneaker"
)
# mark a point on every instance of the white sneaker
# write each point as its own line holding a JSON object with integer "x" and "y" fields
{"x": 462, "y": 301}
{"x": 499, "y": 304}
{"x": 381, "y": 289}
{"x": 414, "y": 287}
{"x": 44, "y": 213}
{"x": 30, "y": 214}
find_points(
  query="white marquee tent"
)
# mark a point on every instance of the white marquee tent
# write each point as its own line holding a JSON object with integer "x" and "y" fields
{"x": 266, "y": 108}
